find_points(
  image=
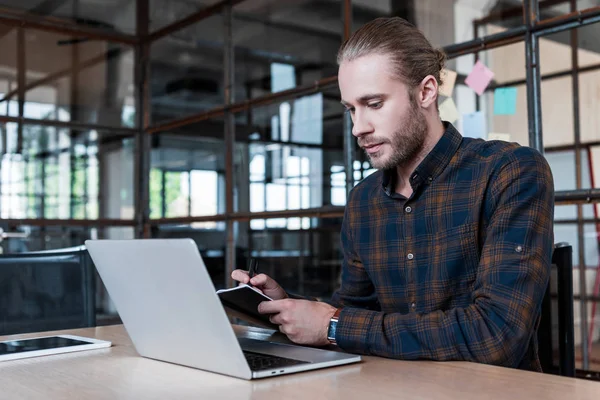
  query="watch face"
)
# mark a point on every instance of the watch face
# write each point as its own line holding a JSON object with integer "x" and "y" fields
{"x": 331, "y": 331}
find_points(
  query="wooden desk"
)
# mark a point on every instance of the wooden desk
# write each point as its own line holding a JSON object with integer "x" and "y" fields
{"x": 119, "y": 373}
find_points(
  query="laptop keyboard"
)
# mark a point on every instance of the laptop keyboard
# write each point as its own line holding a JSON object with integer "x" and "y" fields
{"x": 261, "y": 362}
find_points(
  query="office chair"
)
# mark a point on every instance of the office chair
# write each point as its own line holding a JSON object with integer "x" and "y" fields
{"x": 44, "y": 291}
{"x": 562, "y": 258}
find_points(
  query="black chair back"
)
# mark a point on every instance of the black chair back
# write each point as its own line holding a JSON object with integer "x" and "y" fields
{"x": 45, "y": 291}
{"x": 562, "y": 258}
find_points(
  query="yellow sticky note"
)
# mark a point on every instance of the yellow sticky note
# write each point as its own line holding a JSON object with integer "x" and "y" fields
{"x": 499, "y": 136}
{"x": 448, "y": 111}
{"x": 448, "y": 80}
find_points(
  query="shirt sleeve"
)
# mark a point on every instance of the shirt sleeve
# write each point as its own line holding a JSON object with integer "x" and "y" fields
{"x": 356, "y": 289}
{"x": 512, "y": 277}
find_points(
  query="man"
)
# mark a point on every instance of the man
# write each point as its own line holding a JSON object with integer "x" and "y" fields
{"x": 447, "y": 248}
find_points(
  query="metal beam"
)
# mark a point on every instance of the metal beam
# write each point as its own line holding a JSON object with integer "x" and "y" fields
{"x": 495, "y": 40}
{"x": 578, "y": 177}
{"x": 574, "y": 221}
{"x": 163, "y": 193}
{"x": 588, "y": 298}
{"x": 74, "y": 115}
{"x": 568, "y": 21}
{"x": 579, "y": 196}
{"x": 21, "y": 78}
{"x": 61, "y": 25}
{"x": 142, "y": 107}
{"x": 532, "y": 69}
{"x": 570, "y": 147}
{"x": 67, "y": 124}
{"x": 320, "y": 212}
{"x": 46, "y": 7}
{"x": 228, "y": 79}
{"x": 476, "y": 36}
{"x": 69, "y": 222}
{"x": 554, "y": 75}
{"x": 347, "y": 10}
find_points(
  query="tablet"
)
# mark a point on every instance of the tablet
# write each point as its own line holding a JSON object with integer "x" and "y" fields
{"x": 48, "y": 345}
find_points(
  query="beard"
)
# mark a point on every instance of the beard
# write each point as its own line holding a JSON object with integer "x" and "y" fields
{"x": 406, "y": 142}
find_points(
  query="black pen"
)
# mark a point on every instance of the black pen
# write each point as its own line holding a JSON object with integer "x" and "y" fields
{"x": 252, "y": 269}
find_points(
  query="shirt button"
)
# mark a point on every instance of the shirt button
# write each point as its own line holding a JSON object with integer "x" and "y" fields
{"x": 413, "y": 306}
{"x": 408, "y": 209}
{"x": 410, "y": 256}
{"x": 430, "y": 179}
{"x": 519, "y": 249}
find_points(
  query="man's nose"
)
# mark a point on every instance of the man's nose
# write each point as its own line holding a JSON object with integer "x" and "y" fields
{"x": 360, "y": 125}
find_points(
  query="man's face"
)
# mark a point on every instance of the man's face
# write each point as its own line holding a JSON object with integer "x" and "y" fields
{"x": 387, "y": 121}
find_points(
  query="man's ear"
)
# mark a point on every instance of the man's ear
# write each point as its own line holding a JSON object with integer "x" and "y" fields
{"x": 428, "y": 92}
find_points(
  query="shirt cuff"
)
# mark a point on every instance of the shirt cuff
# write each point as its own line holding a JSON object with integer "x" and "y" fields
{"x": 353, "y": 327}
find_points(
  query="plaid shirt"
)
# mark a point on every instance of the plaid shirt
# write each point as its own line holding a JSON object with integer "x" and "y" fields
{"x": 458, "y": 270}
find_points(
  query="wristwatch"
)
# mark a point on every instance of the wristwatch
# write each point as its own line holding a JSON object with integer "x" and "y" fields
{"x": 332, "y": 326}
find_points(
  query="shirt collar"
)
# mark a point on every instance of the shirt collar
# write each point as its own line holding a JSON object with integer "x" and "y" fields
{"x": 432, "y": 165}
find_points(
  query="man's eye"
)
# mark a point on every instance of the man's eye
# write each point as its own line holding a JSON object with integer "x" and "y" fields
{"x": 376, "y": 105}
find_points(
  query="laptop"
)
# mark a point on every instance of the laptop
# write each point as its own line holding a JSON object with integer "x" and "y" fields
{"x": 169, "y": 307}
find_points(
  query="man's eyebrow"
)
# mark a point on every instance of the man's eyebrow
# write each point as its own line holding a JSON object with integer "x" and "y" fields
{"x": 365, "y": 98}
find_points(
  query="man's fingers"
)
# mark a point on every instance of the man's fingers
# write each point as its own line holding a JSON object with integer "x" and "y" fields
{"x": 259, "y": 280}
{"x": 264, "y": 282}
{"x": 272, "y": 307}
{"x": 240, "y": 275}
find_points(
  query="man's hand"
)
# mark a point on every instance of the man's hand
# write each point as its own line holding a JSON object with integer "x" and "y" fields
{"x": 303, "y": 321}
{"x": 261, "y": 282}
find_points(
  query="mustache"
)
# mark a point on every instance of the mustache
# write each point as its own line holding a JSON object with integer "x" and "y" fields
{"x": 370, "y": 142}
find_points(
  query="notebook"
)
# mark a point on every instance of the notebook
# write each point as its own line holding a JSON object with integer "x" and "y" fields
{"x": 242, "y": 302}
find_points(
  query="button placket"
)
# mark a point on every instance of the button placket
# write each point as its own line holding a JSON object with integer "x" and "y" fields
{"x": 410, "y": 243}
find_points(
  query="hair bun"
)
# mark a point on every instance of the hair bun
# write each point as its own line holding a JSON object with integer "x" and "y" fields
{"x": 441, "y": 57}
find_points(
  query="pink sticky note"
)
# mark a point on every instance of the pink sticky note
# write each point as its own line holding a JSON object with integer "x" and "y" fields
{"x": 479, "y": 78}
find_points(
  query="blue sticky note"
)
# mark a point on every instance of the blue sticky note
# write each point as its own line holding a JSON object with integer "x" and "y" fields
{"x": 505, "y": 101}
{"x": 473, "y": 125}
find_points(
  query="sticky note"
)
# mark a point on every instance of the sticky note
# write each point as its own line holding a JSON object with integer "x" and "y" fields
{"x": 479, "y": 78}
{"x": 448, "y": 111}
{"x": 474, "y": 125}
{"x": 505, "y": 101}
{"x": 499, "y": 136}
{"x": 448, "y": 80}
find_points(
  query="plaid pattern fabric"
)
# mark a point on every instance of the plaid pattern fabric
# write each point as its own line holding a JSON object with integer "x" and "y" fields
{"x": 458, "y": 270}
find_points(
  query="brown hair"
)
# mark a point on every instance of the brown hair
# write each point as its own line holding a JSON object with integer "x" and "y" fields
{"x": 412, "y": 54}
